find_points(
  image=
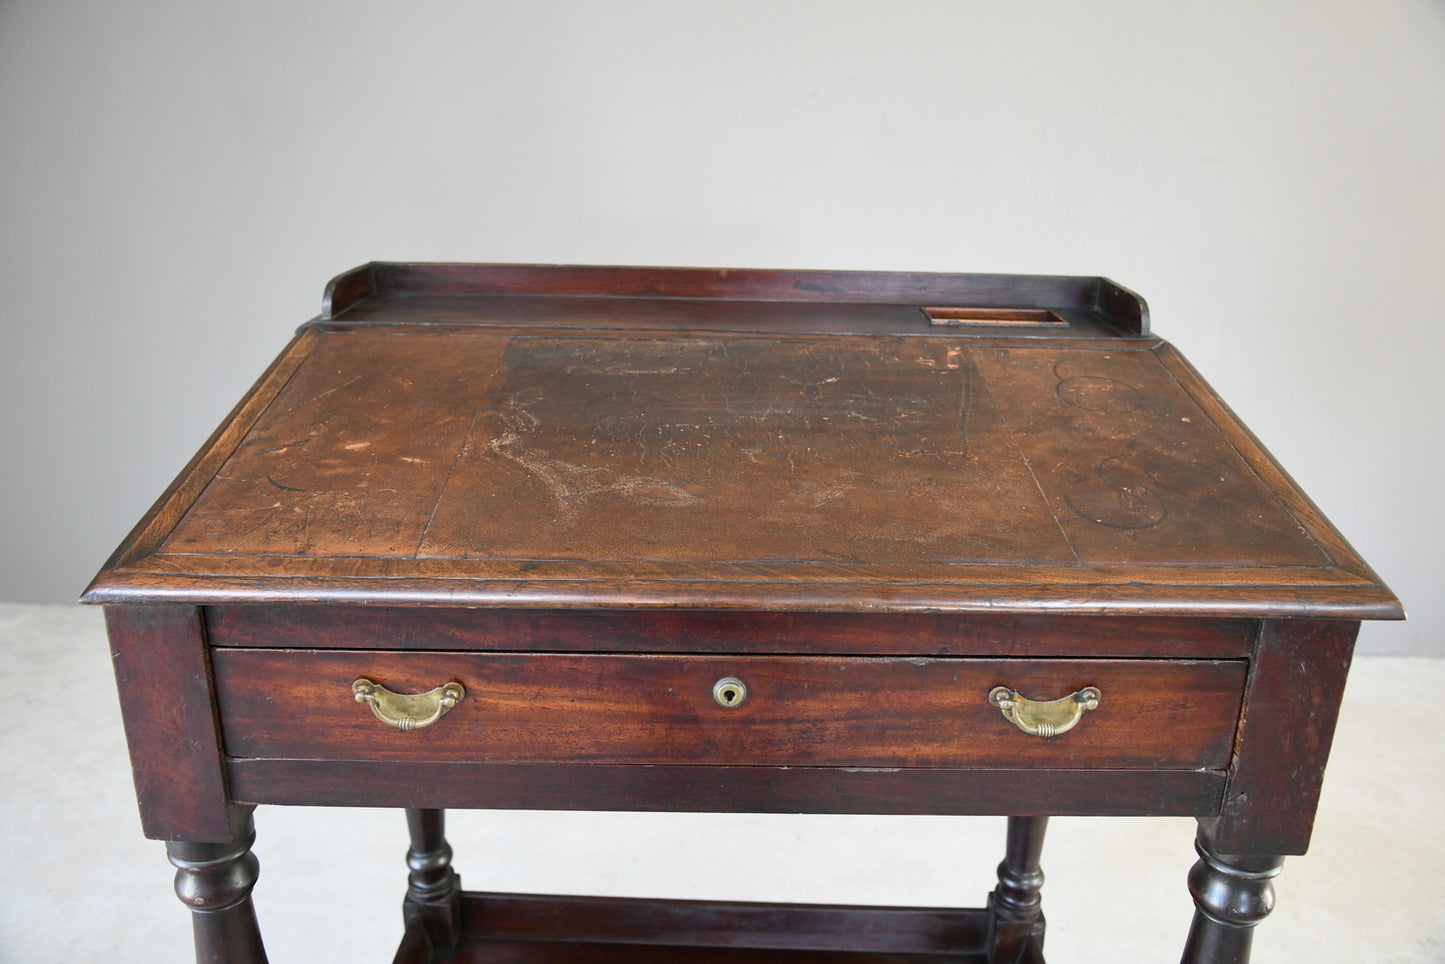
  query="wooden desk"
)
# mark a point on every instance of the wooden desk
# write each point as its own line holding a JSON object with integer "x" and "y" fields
{"x": 642, "y": 539}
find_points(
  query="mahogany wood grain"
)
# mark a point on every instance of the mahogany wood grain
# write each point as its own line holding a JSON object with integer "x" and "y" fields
{"x": 799, "y": 588}
{"x": 600, "y": 928}
{"x": 1231, "y": 896}
{"x": 346, "y": 289}
{"x": 1020, "y": 881}
{"x": 1297, "y": 681}
{"x": 723, "y": 789}
{"x": 1120, "y": 305}
{"x": 520, "y": 315}
{"x": 570, "y": 952}
{"x": 163, "y": 675}
{"x": 660, "y": 710}
{"x": 694, "y": 631}
{"x": 215, "y": 880}
{"x": 485, "y": 951}
{"x": 1015, "y": 906}
{"x": 433, "y": 888}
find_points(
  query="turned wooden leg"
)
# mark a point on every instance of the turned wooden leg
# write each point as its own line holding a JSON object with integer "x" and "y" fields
{"x": 1016, "y": 917}
{"x": 214, "y": 881}
{"x": 434, "y": 891}
{"x": 1231, "y": 895}
{"x": 1019, "y": 876}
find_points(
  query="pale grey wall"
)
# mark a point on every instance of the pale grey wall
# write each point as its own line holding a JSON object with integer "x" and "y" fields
{"x": 178, "y": 180}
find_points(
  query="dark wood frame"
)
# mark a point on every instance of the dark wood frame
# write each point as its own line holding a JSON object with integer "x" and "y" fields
{"x": 167, "y": 616}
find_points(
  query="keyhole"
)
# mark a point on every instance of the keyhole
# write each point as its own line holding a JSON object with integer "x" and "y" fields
{"x": 729, "y": 692}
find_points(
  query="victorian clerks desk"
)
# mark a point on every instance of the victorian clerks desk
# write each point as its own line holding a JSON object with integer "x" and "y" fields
{"x": 707, "y": 540}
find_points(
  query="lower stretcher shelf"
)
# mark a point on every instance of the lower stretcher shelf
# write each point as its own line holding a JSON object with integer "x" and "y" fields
{"x": 526, "y": 929}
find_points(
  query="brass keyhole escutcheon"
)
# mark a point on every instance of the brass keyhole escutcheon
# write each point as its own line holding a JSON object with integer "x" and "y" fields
{"x": 729, "y": 692}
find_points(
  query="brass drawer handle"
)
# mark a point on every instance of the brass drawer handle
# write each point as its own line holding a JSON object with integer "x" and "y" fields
{"x": 1044, "y": 717}
{"x": 408, "y": 712}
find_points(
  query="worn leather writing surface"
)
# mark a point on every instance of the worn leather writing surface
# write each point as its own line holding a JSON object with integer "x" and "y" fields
{"x": 754, "y": 449}
{"x": 351, "y": 457}
{"x": 862, "y": 451}
{"x": 1135, "y": 470}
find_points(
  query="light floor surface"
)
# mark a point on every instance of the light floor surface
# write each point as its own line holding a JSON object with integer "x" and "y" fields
{"x": 78, "y": 882}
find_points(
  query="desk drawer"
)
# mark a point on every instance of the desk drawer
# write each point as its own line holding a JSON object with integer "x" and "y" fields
{"x": 798, "y": 710}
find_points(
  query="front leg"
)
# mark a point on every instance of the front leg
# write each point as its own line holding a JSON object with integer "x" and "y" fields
{"x": 433, "y": 894}
{"x": 1231, "y": 895}
{"x": 1016, "y": 918}
{"x": 215, "y": 880}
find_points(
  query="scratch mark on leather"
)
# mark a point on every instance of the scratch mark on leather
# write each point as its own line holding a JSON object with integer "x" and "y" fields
{"x": 285, "y": 446}
{"x": 317, "y": 398}
{"x": 569, "y": 482}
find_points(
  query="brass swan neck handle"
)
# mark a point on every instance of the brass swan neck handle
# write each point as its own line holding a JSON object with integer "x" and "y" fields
{"x": 408, "y": 712}
{"x": 1044, "y": 718}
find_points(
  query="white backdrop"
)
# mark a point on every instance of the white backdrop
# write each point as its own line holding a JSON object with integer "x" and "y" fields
{"x": 179, "y": 179}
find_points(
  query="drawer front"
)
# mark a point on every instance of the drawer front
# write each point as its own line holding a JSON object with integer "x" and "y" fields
{"x": 798, "y": 710}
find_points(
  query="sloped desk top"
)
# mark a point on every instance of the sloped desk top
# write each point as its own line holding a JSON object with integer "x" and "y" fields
{"x": 743, "y": 443}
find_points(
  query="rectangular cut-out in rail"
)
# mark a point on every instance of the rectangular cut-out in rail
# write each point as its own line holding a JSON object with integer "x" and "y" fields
{"x": 1022, "y": 317}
